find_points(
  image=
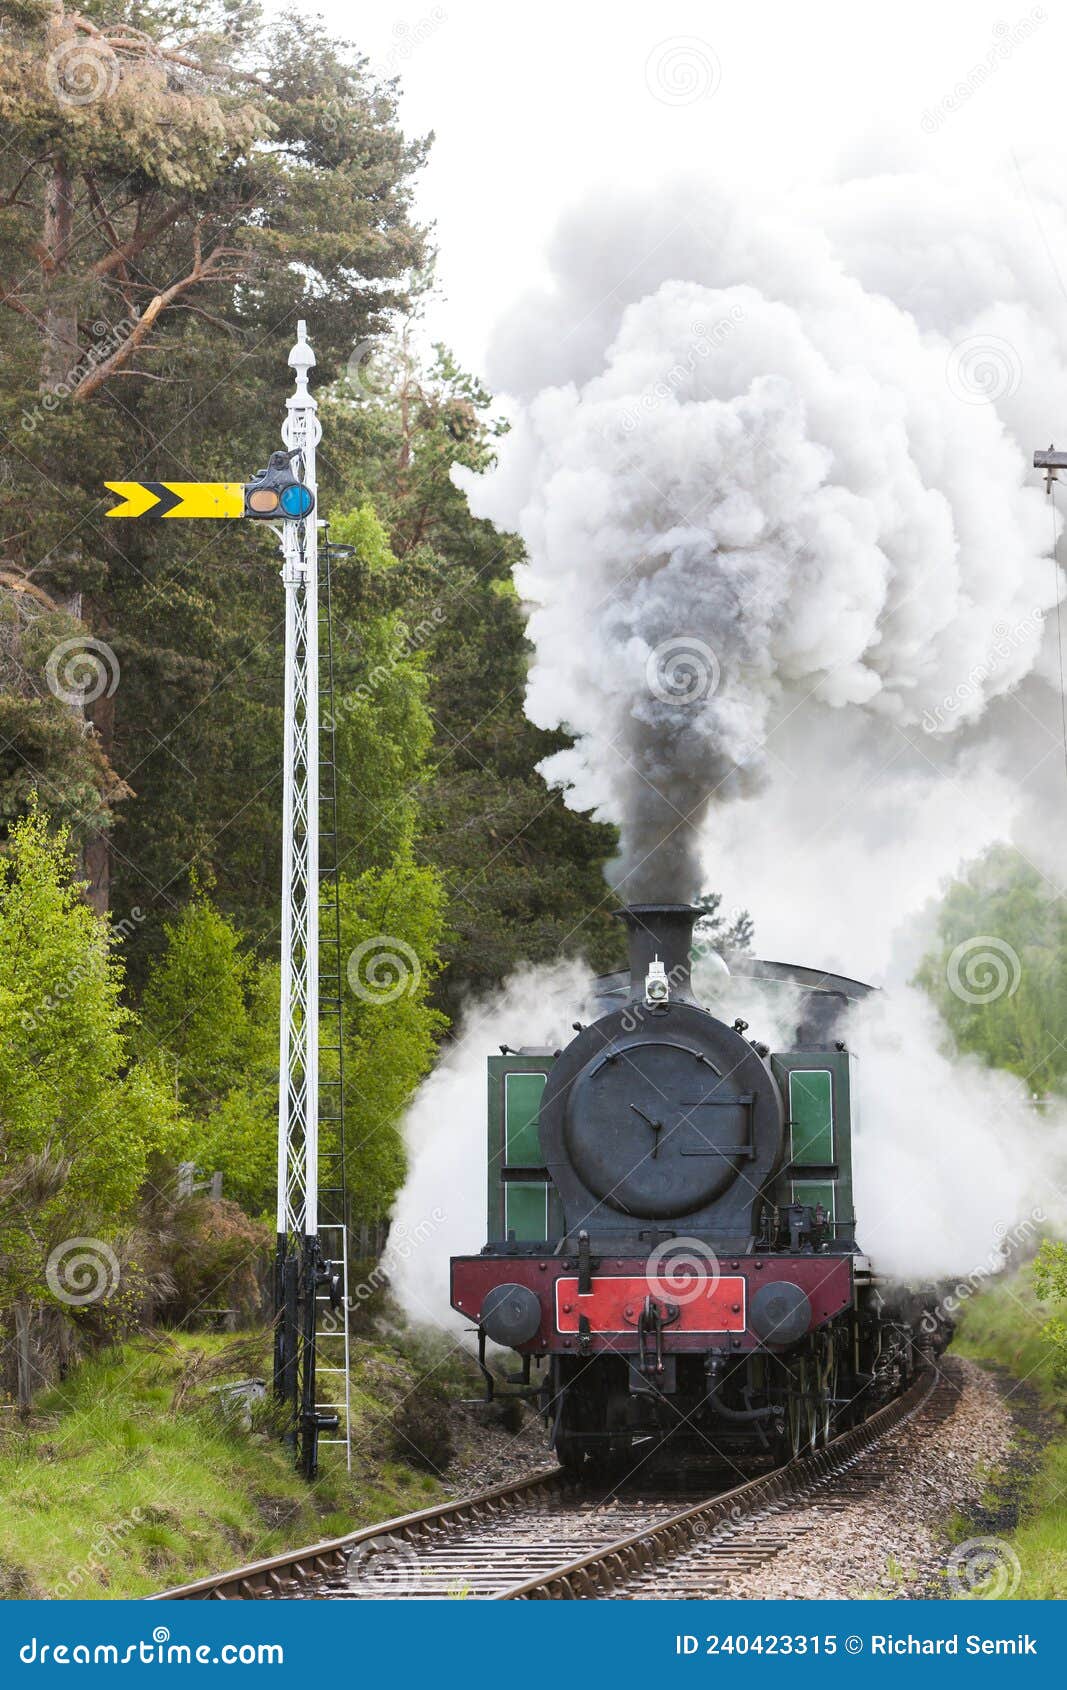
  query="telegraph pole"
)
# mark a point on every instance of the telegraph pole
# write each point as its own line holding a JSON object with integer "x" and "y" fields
{"x": 1050, "y": 462}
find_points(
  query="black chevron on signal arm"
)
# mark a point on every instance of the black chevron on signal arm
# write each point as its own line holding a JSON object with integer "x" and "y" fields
{"x": 166, "y": 496}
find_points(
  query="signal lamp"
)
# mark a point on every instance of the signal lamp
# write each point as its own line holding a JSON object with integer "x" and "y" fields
{"x": 296, "y": 500}
{"x": 276, "y": 492}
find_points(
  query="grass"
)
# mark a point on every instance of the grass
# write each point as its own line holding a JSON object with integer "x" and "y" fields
{"x": 1003, "y": 1325}
{"x": 128, "y": 1479}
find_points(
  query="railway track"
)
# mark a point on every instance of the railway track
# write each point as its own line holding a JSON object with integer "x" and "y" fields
{"x": 543, "y": 1538}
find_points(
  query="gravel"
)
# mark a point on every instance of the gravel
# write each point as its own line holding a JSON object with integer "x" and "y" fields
{"x": 892, "y": 1542}
{"x": 888, "y": 1540}
{"x": 488, "y": 1454}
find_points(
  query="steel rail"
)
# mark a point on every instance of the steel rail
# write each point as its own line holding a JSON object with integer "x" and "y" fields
{"x": 318, "y": 1569}
{"x": 276, "y": 1575}
{"x": 596, "y": 1575}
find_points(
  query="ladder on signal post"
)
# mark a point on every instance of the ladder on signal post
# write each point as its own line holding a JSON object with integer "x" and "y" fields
{"x": 333, "y": 1342}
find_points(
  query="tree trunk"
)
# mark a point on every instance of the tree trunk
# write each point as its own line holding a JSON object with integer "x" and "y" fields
{"x": 96, "y": 851}
{"x": 59, "y": 361}
{"x": 59, "y": 354}
{"x": 24, "y": 1354}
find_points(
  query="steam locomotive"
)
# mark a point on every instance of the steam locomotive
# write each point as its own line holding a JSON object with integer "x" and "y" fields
{"x": 671, "y": 1228}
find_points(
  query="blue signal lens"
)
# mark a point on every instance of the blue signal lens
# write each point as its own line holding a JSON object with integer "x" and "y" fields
{"x": 297, "y": 500}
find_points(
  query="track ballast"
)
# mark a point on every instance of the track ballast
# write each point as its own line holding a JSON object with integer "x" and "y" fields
{"x": 543, "y": 1538}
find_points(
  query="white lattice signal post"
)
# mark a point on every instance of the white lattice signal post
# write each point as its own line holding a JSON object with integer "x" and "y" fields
{"x": 302, "y": 1274}
{"x": 285, "y": 495}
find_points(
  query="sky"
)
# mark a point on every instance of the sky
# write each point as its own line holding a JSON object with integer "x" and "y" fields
{"x": 533, "y": 107}
{"x": 537, "y": 111}
{"x": 585, "y": 104}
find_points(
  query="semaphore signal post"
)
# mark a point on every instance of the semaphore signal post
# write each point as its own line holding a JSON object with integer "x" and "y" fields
{"x": 306, "y": 1280}
{"x": 303, "y": 1274}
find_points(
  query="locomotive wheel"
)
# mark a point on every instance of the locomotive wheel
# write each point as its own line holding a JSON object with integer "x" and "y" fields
{"x": 609, "y": 1462}
{"x": 594, "y": 1442}
{"x": 571, "y": 1453}
{"x": 826, "y": 1409}
{"x": 802, "y": 1421}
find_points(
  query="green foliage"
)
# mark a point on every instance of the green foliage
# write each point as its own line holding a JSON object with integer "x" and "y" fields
{"x": 1050, "y": 1285}
{"x": 523, "y": 873}
{"x": 128, "y": 1480}
{"x": 998, "y": 973}
{"x": 712, "y": 927}
{"x": 211, "y": 1008}
{"x": 78, "y": 1124}
{"x": 383, "y": 737}
{"x": 362, "y": 529}
{"x": 391, "y": 927}
{"x": 214, "y": 176}
{"x": 1014, "y": 1323}
{"x": 266, "y": 181}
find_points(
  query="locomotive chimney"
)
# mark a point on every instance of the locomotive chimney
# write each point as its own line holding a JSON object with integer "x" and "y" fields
{"x": 663, "y": 932}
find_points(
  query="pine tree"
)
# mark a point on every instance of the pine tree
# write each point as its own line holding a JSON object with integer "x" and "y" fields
{"x": 179, "y": 185}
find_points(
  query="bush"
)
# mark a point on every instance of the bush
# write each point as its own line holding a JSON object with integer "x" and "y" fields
{"x": 422, "y": 1429}
{"x": 206, "y": 1253}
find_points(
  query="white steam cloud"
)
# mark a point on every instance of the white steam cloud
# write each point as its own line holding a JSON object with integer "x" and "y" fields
{"x": 950, "y": 1156}
{"x": 757, "y": 491}
{"x": 442, "y": 1208}
{"x": 788, "y": 586}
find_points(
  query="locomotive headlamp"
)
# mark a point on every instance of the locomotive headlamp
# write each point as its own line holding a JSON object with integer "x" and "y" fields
{"x": 657, "y": 986}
